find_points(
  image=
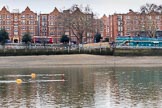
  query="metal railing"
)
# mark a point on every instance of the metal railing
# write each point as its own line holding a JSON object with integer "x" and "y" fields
{"x": 140, "y": 47}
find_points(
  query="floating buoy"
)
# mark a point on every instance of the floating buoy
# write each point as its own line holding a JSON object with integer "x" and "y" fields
{"x": 18, "y": 81}
{"x": 33, "y": 75}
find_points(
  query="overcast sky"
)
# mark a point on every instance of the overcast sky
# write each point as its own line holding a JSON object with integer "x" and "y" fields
{"x": 100, "y": 7}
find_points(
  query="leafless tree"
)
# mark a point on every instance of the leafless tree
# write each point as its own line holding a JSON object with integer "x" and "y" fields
{"x": 147, "y": 19}
{"x": 79, "y": 22}
{"x": 149, "y": 8}
{"x": 160, "y": 9}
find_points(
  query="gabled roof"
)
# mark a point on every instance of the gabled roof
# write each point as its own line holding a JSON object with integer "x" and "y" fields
{"x": 55, "y": 11}
{"x": 4, "y": 10}
{"x": 77, "y": 11}
{"x": 104, "y": 16}
{"x": 27, "y": 10}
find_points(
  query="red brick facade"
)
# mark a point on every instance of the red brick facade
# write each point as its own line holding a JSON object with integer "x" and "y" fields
{"x": 51, "y": 24}
{"x": 6, "y": 21}
{"x": 105, "y": 27}
{"x": 55, "y": 25}
{"x": 132, "y": 23}
{"x": 16, "y": 24}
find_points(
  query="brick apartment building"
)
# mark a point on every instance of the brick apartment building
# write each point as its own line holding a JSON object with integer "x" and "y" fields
{"x": 134, "y": 23}
{"x": 16, "y": 24}
{"x": 53, "y": 24}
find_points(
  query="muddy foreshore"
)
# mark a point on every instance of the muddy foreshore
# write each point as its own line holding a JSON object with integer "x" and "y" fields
{"x": 78, "y": 60}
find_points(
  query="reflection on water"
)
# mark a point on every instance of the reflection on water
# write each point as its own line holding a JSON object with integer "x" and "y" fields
{"x": 81, "y": 87}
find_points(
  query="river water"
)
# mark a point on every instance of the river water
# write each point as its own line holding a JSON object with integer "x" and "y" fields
{"x": 81, "y": 87}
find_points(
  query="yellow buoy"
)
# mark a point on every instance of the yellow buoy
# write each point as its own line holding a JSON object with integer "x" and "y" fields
{"x": 33, "y": 75}
{"x": 18, "y": 81}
